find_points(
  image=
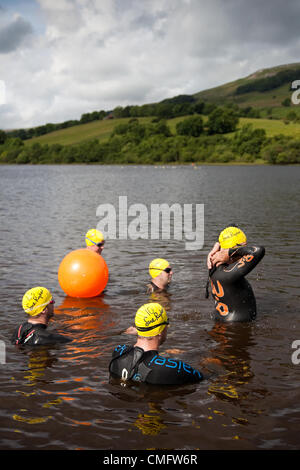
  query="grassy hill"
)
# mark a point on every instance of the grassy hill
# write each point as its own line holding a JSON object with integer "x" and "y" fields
{"x": 101, "y": 130}
{"x": 269, "y": 102}
{"x": 272, "y": 98}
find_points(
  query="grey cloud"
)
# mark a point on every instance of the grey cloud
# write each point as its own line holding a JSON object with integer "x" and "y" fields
{"x": 13, "y": 34}
{"x": 235, "y": 29}
{"x": 268, "y": 22}
{"x": 147, "y": 20}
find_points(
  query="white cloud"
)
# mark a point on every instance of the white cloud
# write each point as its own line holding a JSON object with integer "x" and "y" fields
{"x": 98, "y": 54}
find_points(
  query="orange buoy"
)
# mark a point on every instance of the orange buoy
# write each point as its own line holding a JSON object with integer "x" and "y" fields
{"x": 83, "y": 273}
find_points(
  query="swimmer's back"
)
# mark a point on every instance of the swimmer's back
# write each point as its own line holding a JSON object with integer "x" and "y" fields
{"x": 134, "y": 363}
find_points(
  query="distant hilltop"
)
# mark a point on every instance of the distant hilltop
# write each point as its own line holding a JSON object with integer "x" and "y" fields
{"x": 264, "y": 88}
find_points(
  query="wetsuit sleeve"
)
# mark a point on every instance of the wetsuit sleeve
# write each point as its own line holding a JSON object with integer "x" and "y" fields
{"x": 32, "y": 335}
{"x": 250, "y": 257}
{"x": 42, "y": 337}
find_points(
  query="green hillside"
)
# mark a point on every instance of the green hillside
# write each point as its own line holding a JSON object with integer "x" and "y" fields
{"x": 269, "y": 98}
{"x": 250, "y": 120}
{"x": 102, "y": 130}
{"x": 273, "y": 102}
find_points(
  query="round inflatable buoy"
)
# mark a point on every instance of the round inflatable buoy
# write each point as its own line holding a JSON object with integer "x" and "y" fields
{"x": 83, "y": 273}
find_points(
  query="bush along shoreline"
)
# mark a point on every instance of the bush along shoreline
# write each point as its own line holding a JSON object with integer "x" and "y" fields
{"x": 215, "y": 141}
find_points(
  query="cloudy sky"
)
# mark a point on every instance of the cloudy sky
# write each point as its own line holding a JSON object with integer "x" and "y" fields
{"x": 62, "y": 58}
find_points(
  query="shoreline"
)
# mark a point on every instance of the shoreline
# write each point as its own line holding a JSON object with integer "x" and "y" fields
{"x": 174, "y": 164}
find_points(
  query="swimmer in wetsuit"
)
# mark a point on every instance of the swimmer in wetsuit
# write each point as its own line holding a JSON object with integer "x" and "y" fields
{"x": 142, "y": 362}
{"x": 39, "y": 305}
{"x": 229, "y": 262}
{"x": 161, "y": 275}
{"x": 94, "y": 240}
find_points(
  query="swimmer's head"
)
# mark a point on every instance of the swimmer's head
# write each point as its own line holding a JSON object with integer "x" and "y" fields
{"x": 232, "y": 236}
{"x": 157, "y": 266}
{"x": 35, "y": 300}
{"x": 94, "y": 237}
{"x": 151, "y": 319}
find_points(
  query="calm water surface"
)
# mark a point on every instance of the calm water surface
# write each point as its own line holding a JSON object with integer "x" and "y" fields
{"x": 61, "y": 397}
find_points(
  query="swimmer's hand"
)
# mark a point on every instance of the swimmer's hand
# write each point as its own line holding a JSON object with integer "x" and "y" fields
{"x": 220, "y": 257}
{"x": 214, "y": 250}
{"x": 131, "y": 331}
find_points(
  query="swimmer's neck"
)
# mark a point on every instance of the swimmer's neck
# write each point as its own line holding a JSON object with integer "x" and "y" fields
{"x": 43, "y": 319}
{"x": 160, "y": 283}
{"x": 148, "y": 344}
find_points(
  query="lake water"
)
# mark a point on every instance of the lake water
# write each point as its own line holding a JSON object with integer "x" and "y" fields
{"x": 62, "y": 398}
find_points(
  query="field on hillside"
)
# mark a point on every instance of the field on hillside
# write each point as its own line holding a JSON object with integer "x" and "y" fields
{"x": 101, "y": 130}
{"x": 273, "y": 127}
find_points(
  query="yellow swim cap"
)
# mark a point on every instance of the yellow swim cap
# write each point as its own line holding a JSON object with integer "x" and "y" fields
{"x": 232, "y": 236}
{"x": 151, "y": 319}
{"x": 157, "y": 266}
{"x": 36, "y": 300}
{"x": 93, "y": 236}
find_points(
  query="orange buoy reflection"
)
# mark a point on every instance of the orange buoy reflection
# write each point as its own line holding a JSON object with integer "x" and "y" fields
{"x": 85, "y": 314}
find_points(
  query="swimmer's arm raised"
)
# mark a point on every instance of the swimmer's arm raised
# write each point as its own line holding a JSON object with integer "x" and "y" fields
{"x": 249, "y": 257}
{"x": 211, "y": 254}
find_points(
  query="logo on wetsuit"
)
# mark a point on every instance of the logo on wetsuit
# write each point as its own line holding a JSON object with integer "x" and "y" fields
{"x": 167, "y": 362}
{"x": 220, "y": 306}
{"x": 218, "y": 291}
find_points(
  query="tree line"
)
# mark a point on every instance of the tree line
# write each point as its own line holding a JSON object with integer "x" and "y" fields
{"x": 269, "y": 83}
{"x": 216, "y": 141}
{"x": 178, "y": 106}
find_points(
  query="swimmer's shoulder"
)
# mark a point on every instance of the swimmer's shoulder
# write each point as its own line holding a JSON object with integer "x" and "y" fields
{"x": 120, "y": 350}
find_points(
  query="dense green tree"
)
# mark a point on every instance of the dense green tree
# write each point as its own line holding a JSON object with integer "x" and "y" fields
{"x": 208, "y": 108}
{"x": 249, "y": 140}
{"x": 192, "y": 126}
{"x": 286, "y": 102}
{"x": 2, "y": 137}
{"x": 291, "y": 116}
{"x": 222, "y": 121}
{"x": 198, "y": 107}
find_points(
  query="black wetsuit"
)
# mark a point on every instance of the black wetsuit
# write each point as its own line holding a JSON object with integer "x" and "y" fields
{"x": 36, "y": 334}
{"x": 133, "y": 363}
{"x": 234, "y": 298}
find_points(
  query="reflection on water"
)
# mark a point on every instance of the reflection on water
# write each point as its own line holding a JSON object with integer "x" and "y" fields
{"x": 154, "y": 419}
{"x": 62, "y": 398}
{"x": 85, "y": 314}
{"x": 150, "y": 423}
{"x": 163, "y": 298}
{"x": 232, "y": 351}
